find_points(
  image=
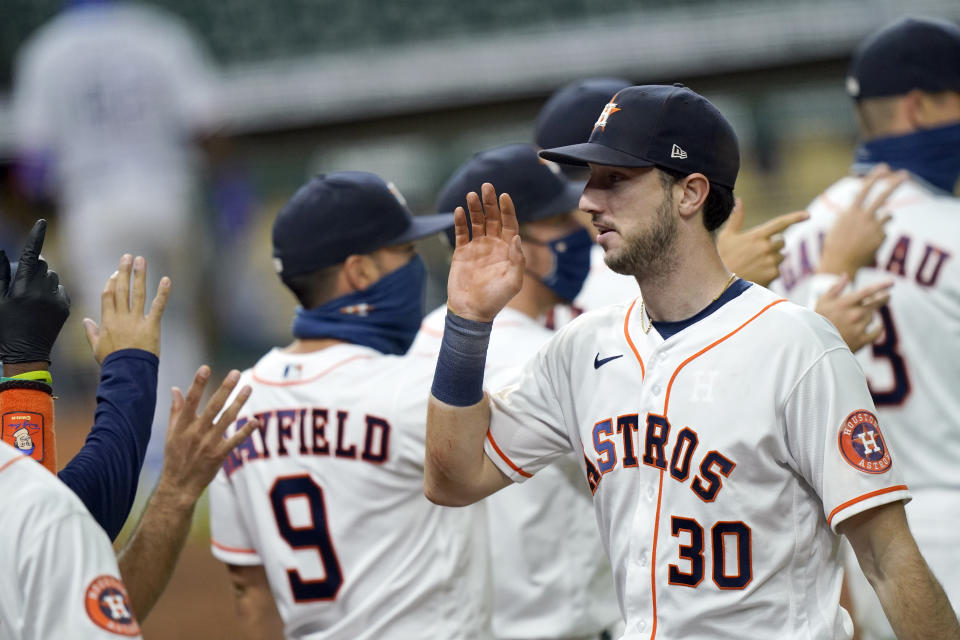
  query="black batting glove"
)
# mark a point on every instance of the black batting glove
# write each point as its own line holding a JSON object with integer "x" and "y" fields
{"x": 33, "y": 307}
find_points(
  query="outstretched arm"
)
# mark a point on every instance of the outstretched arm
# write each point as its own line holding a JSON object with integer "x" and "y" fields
{"x": 194, "y": 450}
{"x": 913, "y": 600}
{"x": 486, "y": 272}
{"x": 106, "y": 471}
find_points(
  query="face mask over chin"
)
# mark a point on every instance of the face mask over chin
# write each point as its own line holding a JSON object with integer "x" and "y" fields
{"x": 932, "y": 154}
{"x": 385, "y": 316}
{"x": 571, "y": 264}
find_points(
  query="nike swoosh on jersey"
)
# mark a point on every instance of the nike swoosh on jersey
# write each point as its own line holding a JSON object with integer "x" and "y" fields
{"x": 597, "y": 362}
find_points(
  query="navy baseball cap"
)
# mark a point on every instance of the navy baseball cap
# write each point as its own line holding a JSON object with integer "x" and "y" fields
{"x": 663, "y": 126}
{"x": 537, "y": 187}
{"x": 568, "y": 115}
{"x": 912, "y": 53}
{"x": 337, "y": 215}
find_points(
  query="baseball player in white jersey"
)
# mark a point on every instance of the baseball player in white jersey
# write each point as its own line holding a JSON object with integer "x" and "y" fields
{"x": 544, "y": 585}
{"x": 324, "y": 505}
{"x": 567, "y": 118}
{"x": 906, "y": 83}
{"x": 59, "y": 576}
{"x": 727, "y": 435}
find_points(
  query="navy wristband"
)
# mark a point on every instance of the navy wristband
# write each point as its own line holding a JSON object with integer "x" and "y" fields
{"x": 458, "y": 379}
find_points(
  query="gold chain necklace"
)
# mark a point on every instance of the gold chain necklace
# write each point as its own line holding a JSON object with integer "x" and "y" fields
{"x": 643, "y": 310}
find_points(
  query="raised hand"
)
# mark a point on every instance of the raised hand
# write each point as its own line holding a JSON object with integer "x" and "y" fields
{"x": 857, "y": 233}
{"x": 124, "y": 324}
{"x": 852, "y": 313}
{"x": 195, "y": 445}
{"x": 487, "y": 270}
{"x": 755, "y": 254}
{"x": 33, "y": 307}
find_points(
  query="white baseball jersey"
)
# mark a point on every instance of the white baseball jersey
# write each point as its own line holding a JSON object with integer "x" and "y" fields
{"x": 721, "y": 460}
{"x": 60, "y": 577}
{"x": 328, "y": 496}
{"x": 546, "y": 585}
{"x": 912, "y": 368}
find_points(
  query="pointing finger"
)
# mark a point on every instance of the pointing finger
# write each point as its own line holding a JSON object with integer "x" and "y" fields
{"x": 30, "y": 254}
{"x": 858, "y": 296}
{"x": 782, "y": 222}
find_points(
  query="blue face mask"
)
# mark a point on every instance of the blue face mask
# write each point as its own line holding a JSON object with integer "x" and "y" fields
{"x": 385, "y": 316}
{"x": 571, "y": 263}
{"x": 932, "y": 154}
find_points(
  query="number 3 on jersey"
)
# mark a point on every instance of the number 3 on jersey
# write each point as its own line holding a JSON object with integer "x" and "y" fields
{"x": 312, "y": 536}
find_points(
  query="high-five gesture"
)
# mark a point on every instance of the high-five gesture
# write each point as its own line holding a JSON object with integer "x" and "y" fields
{"x": 487, "y": 269}
{"x": 124, "y": 326}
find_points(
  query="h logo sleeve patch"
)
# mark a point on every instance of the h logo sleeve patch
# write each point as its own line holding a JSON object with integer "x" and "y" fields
{"x": 861, "y": 443}
{"x": 108, "y": 606}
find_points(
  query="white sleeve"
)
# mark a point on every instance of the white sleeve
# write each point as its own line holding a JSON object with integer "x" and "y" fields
{"x": 527, "y": 427}
{"x": 836, "y": 441}
{"x": 71, "y": 586}
{"x": 229, "y": 540}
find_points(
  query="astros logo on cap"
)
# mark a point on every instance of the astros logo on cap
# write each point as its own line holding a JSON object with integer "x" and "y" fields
{"x": 862, "y": 444}
{"x": 608, "y": 111}
{"x": 108, "y": 606}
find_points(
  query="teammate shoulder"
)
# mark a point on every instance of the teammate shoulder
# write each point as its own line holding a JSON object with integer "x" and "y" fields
{"x": 28, "y": 488}
{"x": 801, "y": 326}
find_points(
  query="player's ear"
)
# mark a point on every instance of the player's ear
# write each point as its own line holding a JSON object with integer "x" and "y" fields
{"x": 913, "y": 109}
{"x": 695, "y": 188}
{"x": 360, "y": 271}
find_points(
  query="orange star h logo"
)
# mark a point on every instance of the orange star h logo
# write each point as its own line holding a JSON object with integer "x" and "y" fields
{"x": 608, "y": 111}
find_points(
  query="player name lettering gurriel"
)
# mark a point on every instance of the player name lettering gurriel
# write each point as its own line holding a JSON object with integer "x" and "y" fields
{"x": 626, "y": 442}
{"x": 317, "y": 431}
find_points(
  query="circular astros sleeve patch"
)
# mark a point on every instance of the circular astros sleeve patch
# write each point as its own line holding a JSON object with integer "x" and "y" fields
{"x": 108, "y": 605}
{"x": 861, "y": 443}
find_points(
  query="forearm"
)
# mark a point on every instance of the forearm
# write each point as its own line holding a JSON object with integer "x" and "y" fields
{"x": 454, "y": 454}
{"x": 105, "y": 473}
{"x": 149, "y": 558}
{"x": 256, "y": 609}
{"x": 913, "y": 599}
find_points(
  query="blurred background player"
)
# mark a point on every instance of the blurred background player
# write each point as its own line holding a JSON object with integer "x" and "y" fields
{"x": 905, "y": 83}
{"x": 568, "y": 117}
{"x": 109, "y": 100}
{"x": 551, "y": 578}
{"x": 323, "y": 509}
